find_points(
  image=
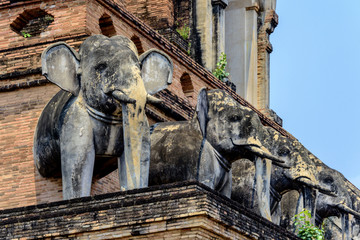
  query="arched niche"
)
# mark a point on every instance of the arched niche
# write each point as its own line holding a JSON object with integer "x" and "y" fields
{"x": 187, "y": 85}
{"x": 138, "y": 44}
{"x": 31, "y": 22}
{"x": 107, "y": 26}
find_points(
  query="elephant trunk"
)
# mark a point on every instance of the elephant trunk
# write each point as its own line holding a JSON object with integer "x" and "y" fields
{"x": 256, "y": 149}
{"x": 122, "y": 97}
{"x": 346, "y": 209}
{"x": 311, "y": 184}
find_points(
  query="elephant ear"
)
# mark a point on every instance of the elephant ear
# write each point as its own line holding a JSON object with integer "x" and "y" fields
{"x": 202, "y": 110}
{"x": 156, "y": 70}
{"x": 60, "y": 65}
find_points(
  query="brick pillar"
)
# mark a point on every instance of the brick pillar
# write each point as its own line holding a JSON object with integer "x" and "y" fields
{"x": 269, "y": 23}
{"x": 264, "y": 49}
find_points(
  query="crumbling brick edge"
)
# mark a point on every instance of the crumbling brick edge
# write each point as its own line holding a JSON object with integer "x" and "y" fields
{"x": 185, "y": 195}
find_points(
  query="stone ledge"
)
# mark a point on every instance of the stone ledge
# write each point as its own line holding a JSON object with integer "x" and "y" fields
{"x": 177, "y": 210}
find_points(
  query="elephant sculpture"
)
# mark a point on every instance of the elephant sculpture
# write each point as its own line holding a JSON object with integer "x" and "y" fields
{"x": 297, "y": 186}
{"x": 340, "y": 209}
{"x": 308, "y": 184}
{"x": 300, "y": 175}
{"x": 204, "y": 148}
{"x": 97, "y": 121}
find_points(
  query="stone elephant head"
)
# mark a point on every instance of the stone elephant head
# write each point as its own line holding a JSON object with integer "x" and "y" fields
{"x": 97, "y": 120}
{"x": 292, "y": 188}
{"x": 307, "y": 184}
{"x": 205, "y": 147}
{"x": 296, "y": 187}
{"x": 341, "y": 211}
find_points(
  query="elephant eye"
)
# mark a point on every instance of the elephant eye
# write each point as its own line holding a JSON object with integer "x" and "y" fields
{"x": 100, "y": 67}
{"x": 234, "y": 118}
{"x": 328, "y": 180}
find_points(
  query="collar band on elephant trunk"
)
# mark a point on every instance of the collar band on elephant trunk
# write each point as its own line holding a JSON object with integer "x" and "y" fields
{"x": 114, "y": 120}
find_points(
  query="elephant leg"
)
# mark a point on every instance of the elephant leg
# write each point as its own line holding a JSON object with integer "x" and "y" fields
{"x": 134, "y": 162}
{"x": 77, "y": 155}
{"x": 262, "y": 186}
{"x": 227, "y": 185}
{"x": 345, "y": 226}
{"x": 309, "y": 201}
{"x": 214, "y": 171}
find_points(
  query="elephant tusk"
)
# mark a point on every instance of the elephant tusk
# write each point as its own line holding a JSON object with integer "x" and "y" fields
{"x": 152, "y": 99}
{"x": 122, "y": 97}
{"x": 255, "y": 148}
{"x": 243, "y": 143}
{"x": 311, "y": 184}
{"x": 259, "y": 152}
{"x": 345, "y": 208}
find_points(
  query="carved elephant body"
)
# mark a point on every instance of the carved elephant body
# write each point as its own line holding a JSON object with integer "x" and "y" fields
{"x": 98, "y": 120}
{"x": 179, "y": 153}
{"x": 204, "y": 148}
{"x": 105, "y": 133}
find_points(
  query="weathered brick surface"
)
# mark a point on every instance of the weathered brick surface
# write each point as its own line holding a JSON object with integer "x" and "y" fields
{"x": 158, "y": 14}
{"x": 185, "y": 210}
{"x": 264, "y": 50}
{"x": 19, "y": 54}
{"x": 19, "y": 111}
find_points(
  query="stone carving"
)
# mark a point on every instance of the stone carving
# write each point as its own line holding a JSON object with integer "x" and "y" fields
{"x": 204, "y": 148}
{"x": 318, "y": 188}
{"x": 307, "y": 183}
{"x": 98, "y": 120}
{"x": 224, "y": 133}
{"x": 301, "y": 177}
{"x": 340, "y": 207}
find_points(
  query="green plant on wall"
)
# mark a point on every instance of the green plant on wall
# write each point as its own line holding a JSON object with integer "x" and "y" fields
{"x": 184, "y": 31}
{"x": 25, "y": 34}
{"x": 306, "y": 230}
{"x": 49, "y": 18}
{"x": 220, "y": 70}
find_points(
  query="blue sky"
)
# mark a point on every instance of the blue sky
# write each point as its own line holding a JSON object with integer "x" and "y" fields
{"x": 315, "y": 79}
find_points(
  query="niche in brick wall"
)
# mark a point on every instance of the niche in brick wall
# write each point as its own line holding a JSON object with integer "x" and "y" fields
{"x": 138, "y": 44}
{"x": 31, "y": 22}
{"x": 187, "y": 85}
{"x": 107, "y": 26}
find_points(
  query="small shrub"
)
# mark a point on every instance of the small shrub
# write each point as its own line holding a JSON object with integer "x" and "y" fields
{"x": 184, "y": 31}
{"x": 220, "y": 70}
{"x": 306, "y": 230}
{"x": 25, "y": 34}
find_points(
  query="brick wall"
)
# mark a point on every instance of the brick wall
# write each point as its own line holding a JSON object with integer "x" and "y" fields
{"x": 177, "y": 211}
{"x": 18, "y": 54}
{"x": 19, "y": 113}
{"x": 270, "y": 21}
{"x": 157, "y": 14}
